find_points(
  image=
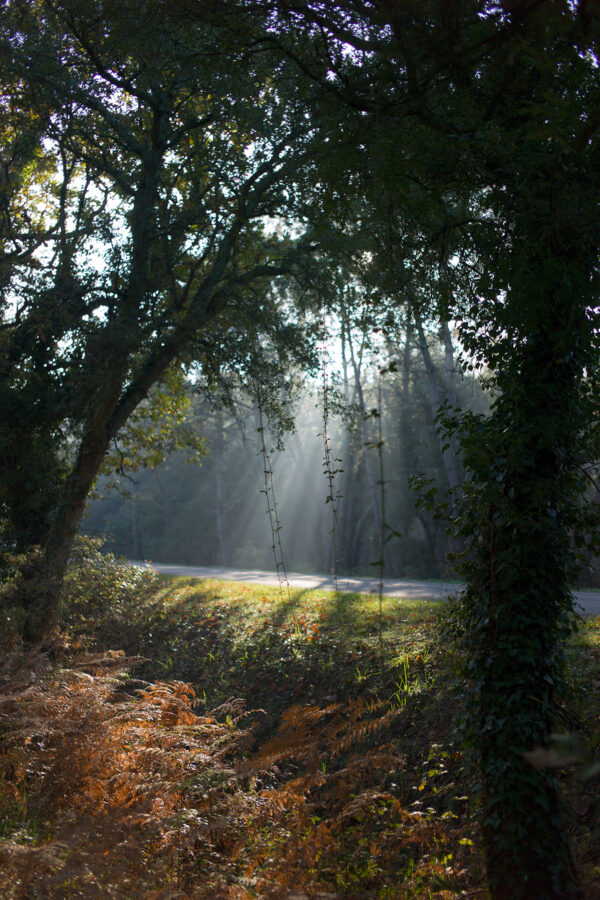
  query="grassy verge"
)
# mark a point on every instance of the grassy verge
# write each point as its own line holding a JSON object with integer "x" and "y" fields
{"x": 263, "y": 746}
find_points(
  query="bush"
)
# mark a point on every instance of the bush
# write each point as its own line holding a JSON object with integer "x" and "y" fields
{"x": 97, "y": 585}
{"x": 14, "y": 569}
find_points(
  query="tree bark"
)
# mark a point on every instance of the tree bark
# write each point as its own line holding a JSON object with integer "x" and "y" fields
{"x": 378, "y": 523}
{"x": 449, "y": 454}
{"x": 522, "y": 599}
{"x": 408, "y": 456}
{"x": 220, "y": 501}
{"x": 520, "y": 574}
{"x": 42, "y": 589}
{"x": 136, "y": 544}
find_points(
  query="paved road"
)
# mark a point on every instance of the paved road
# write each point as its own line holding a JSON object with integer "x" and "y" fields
{"x": 588, "y": 601}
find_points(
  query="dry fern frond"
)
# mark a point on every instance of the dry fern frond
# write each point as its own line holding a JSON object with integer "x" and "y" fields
{"x": 105, "y": 773}
{"x": 135, "y": 794}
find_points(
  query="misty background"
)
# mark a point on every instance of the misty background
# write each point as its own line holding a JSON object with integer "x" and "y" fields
{"x": 381, "y": 416}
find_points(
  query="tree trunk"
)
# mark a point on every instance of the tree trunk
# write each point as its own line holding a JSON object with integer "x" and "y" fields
{"x": 136, "y": 544}
{"x": 349, "y": 501}
{"x": 42, "y": 588}
{"x": 349, "y": 454}
{"x": 449, "y": 365}
{"x": 519, "y": 578}
{"x": 407, "y": 452}
{"x": 450, "y": 454}
{"x": 378, "y": 523}
{"x": 522, "y": 597}
{"x": 220, "y": 501}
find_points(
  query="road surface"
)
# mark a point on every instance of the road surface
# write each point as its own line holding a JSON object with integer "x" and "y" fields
{"x": 588, "y": 602}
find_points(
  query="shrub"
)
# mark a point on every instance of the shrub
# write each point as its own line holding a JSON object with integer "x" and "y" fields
{"x": 14, "y": 569}
{"x": 97, "y": 585}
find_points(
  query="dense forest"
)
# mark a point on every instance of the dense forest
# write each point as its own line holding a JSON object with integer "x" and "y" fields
{"x": 198, "y": 202}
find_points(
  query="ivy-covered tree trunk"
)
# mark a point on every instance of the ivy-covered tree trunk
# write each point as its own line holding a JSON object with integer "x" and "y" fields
{"x": 525, "y": 499}
{"x": 42, "y": 589}
{"x": 520, "y": 599}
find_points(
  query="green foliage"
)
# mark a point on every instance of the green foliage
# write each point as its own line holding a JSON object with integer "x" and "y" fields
{"x": 159, "y": 427}
{"x": 98, "y": 585}
{"x": 13, "y": 599}
{"x": 144, "y": 246}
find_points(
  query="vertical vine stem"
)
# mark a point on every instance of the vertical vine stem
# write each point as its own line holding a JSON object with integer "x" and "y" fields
{"x": 269, "y": 492}
{"x": 328, "y": 470}
{"x": 382, "y": 501}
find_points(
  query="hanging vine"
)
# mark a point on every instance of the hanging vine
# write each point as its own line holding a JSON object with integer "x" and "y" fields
{"x": 382, "y": 539}
{"x": 383, "y": 530}
{"x": 329, "y": 462}
{"x": 269, "y": 492}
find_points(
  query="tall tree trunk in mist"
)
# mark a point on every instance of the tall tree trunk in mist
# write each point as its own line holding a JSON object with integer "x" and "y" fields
{"x": 316, "y": 521}
{"x": 350, "y": 452}
{"x": 220, "y": 499}
{"x": 407, "y": 445}
{"x": 450, "y": 459}
{"x": 136, "y": 546}
{"x": 370, "y": 472}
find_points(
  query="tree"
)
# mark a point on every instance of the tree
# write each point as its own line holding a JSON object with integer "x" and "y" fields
{"x": 154, "y": 145}
{"x": 487, "y": 115}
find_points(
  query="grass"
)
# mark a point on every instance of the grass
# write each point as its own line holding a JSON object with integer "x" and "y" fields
{"x": 233, "y": 638}
{"x": 334, "y": 766}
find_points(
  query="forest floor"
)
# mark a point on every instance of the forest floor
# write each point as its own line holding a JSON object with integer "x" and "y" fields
{"x": 185, "y": 739}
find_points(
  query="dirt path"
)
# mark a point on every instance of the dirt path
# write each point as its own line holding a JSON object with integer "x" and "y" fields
{"x": 589, "y": 601}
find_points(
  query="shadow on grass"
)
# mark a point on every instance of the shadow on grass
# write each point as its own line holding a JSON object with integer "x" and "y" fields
{"x": 247, "y": 641}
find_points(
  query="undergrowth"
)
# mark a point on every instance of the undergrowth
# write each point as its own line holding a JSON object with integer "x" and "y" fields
{"x": 241, "y": 745}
